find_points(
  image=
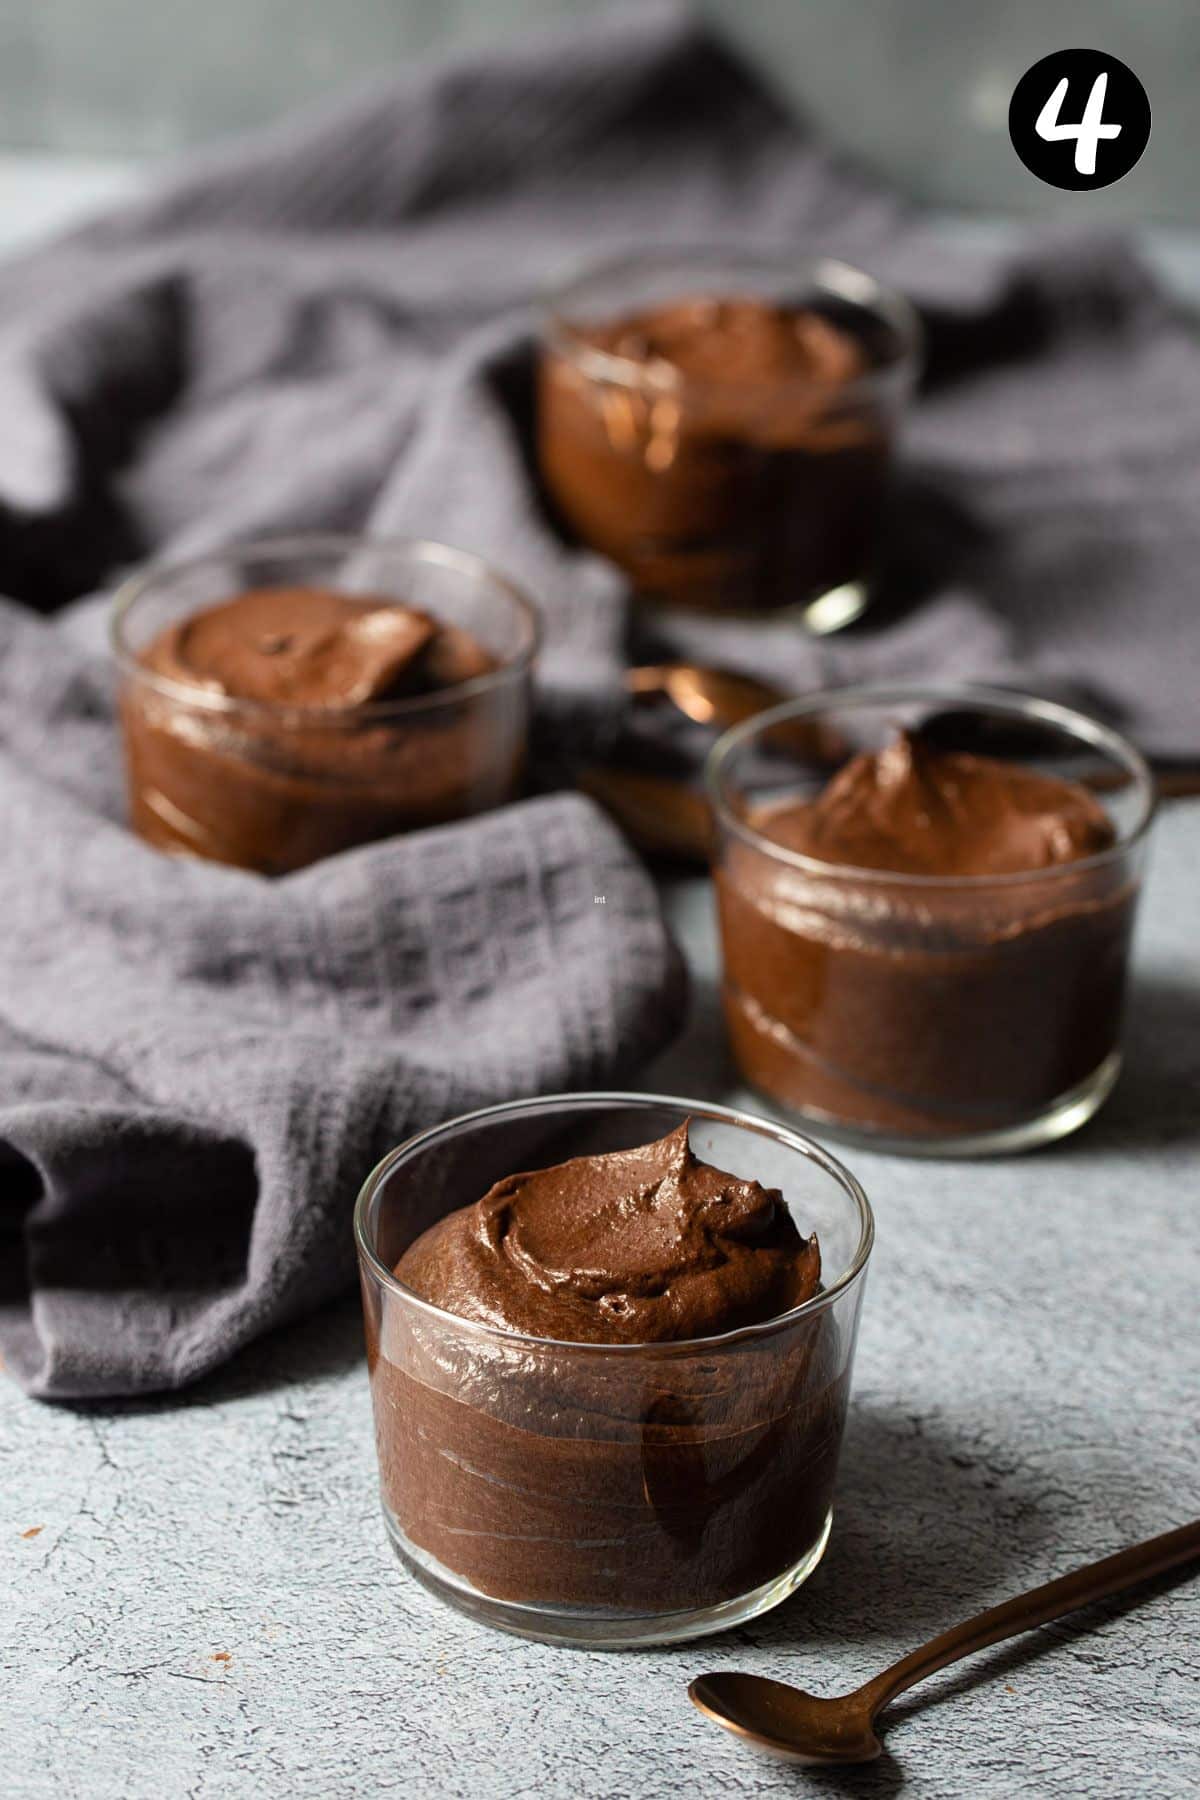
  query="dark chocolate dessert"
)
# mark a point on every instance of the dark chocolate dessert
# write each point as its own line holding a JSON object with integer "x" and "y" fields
{"x": 564, "y": 1465}
{"x": 731, "y": 459}
{"x": 960, "y": 997}
{"x": 261, "y": 735}
{"x": 636, "y": 1247}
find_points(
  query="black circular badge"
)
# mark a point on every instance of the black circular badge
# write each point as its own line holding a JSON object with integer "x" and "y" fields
{"x": 1079, "y": 119}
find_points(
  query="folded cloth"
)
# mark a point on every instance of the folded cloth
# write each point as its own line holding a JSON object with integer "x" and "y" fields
{"x": 332, "y": 325}
{"x": 199, "y": 1067}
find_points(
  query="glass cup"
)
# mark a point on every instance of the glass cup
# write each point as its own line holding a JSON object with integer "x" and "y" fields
{"x": 753, "y": 498}
{"x": 274, "y": 787}
{"x": 607, "y": 1494}
{"x": 960, "y": 1016}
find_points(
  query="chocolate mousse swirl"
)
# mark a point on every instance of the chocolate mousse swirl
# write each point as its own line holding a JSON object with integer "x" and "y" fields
{"x": 310, "y": 647}
{"x": 914, "y": 810}
{"x": 638, "y": 1246}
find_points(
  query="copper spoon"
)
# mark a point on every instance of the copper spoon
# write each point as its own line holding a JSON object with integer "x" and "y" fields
{"x": 661, "y": 814}
{"x": 716, "y": 697}
{"x": 722, "y": 698}
{"x": 800, "y": 1727}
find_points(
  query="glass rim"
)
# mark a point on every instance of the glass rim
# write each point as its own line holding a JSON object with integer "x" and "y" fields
{"x": 807, "y": 1147}
{"x": 960, "y": 695}
{"x": 830, "y": 274}
{"x": 142, "y": 582}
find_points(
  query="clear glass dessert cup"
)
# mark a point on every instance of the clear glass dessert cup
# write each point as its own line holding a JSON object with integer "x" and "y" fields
{"x": 957, "y": 1016}
{"x": 274, "y": 787}
{"x": 607, "y": 1494}
{"x": 775, "y": 507}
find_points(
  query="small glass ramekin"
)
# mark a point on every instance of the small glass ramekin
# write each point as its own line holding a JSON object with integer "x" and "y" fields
{"x": 777, "y": 508}
{"x": 607, "y": 1494}
{"x": 272, "y": 787}
{"x": 922, "y": 1014}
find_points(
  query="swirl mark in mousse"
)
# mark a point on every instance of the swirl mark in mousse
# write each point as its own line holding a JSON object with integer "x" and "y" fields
{"x": 633, "y": 1247}
{"x": 914, "y": 810}
{"x": 315, "y": 647}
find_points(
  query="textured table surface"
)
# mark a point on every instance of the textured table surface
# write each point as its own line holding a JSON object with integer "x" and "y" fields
{"x": 197, "y": 1598}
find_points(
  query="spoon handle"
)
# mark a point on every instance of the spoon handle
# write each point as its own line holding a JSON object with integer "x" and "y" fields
{"x": 1093, "y": 1582}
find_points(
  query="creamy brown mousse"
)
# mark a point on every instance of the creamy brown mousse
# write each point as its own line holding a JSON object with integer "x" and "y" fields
{"x": 636, "y": 1247}
{"x": 269, "y": 747}
{"x": 728, "y": 461}
{"x": 541, "y": 1469}
{"x": 910, "y": 810}
{"x": 917, "y": 1006}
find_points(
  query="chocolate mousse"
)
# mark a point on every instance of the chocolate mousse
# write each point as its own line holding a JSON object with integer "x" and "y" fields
{"x": 640, "y": 1246}
{"x": 967, "y": 995}
{"x": 271, "y": 729}
{"x": 547, "y": 1468}
{"x": 725, "y": 451}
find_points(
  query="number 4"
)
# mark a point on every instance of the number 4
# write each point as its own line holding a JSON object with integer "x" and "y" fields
{"x": 1087, "y": 133}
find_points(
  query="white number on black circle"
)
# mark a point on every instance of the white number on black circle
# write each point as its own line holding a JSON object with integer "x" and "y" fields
{"x": 1090, "y": 129}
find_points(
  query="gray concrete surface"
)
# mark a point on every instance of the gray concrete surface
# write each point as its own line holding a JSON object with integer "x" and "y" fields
{"x": 196, "y": 1597}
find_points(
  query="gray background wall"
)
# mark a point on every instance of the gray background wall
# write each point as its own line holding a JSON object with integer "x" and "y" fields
{"x": 921, "y": 86}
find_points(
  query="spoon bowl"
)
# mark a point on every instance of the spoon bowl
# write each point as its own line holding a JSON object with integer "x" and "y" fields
{"x": 721, "y": 698}
{"x": 716, "y": 697}
{"x": 786, "y": 1722}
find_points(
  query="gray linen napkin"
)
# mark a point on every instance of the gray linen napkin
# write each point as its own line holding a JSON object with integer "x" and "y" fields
{"x": 332, "y": 325}
{"x": 199, "y": 1067}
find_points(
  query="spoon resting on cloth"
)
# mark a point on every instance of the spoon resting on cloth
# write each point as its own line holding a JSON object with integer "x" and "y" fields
{"x": 800, "y": 1727}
